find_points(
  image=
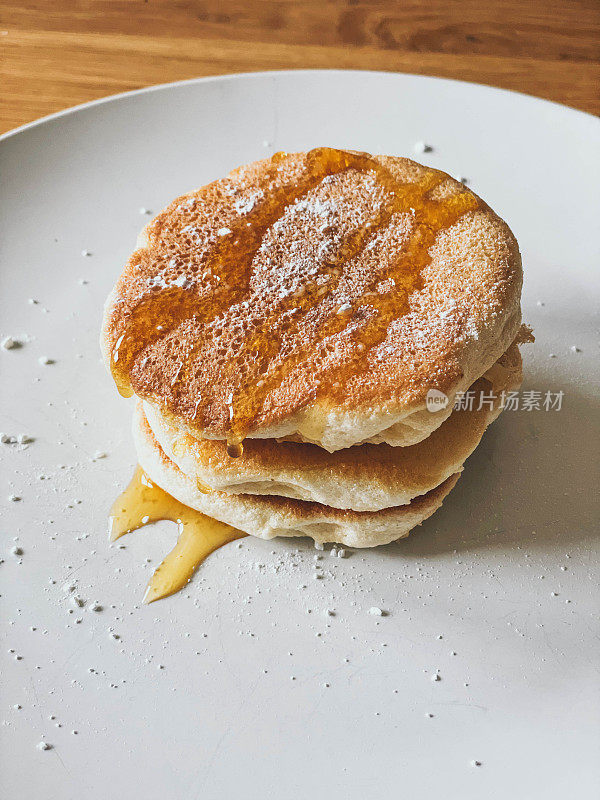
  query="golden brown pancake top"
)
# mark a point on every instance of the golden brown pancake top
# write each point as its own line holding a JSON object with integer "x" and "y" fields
{"x": 330, "y": 279}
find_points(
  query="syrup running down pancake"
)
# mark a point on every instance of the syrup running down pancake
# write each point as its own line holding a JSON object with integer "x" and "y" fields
{"x": 317, "y": 296}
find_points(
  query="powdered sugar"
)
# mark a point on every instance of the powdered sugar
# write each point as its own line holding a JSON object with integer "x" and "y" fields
{"x": 244, "y": 205}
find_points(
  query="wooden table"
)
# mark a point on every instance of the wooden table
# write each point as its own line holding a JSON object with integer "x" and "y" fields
{"x": 56, "y": 53}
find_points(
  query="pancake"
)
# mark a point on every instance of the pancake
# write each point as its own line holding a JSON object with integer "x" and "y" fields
{"x": 317, "y": 296}
{"x": 267, "y": 517}
{"x": 362, "y": 478}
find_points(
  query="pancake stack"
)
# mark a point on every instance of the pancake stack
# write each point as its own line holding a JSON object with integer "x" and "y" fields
{"x": 317, "y": 343}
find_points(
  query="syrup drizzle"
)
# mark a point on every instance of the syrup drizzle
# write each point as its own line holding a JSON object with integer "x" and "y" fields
{"x": 230, "y": 265}
{"x": 144, "y": 502}
{"x": 180, "y": 447}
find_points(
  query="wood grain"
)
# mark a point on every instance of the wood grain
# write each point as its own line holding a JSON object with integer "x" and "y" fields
{"x": 55, "y": 53}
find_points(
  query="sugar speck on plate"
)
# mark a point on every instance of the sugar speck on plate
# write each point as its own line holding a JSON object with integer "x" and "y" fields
{"x": 86, "y": 253}
{"x": 436, "y": 677}
{"x": 575, "y": 349}
{"x": 377, "y": 612}
{"x": 422, "y": 147}
{"x": 144, "y": 210}
{"x": 98, "y": 454}
{"x": 45, "y": 360}
{"x": 24, "y": 438}
{"x": 475, "y": 763}
{"x": 44, "y": 746}
{"x": 17, "y": 551}
{"x": 14, "y": 498}
{"x": 6, "y": 438}
{"x": 10, "y": 343}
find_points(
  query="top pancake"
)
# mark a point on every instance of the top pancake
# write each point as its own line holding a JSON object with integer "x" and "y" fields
{"x": 317, "y": 296}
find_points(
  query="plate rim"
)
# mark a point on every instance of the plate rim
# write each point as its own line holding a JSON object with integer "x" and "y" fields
{"x": 157, "y": 87}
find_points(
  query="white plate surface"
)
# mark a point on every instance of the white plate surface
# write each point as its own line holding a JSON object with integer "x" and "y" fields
{"x": 241, "y": 686}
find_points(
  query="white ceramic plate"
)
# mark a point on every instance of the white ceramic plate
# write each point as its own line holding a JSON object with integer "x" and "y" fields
{"x": 241, "y": 685}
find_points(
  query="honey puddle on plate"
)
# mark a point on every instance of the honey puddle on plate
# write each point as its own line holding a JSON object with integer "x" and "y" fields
{"x": 144, "y": 502}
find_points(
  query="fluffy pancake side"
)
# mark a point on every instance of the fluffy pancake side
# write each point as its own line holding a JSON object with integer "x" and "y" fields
{"x": 366, "y": 281}
{"x": 362, "y": 478}
{"x": 267, "y": 517}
